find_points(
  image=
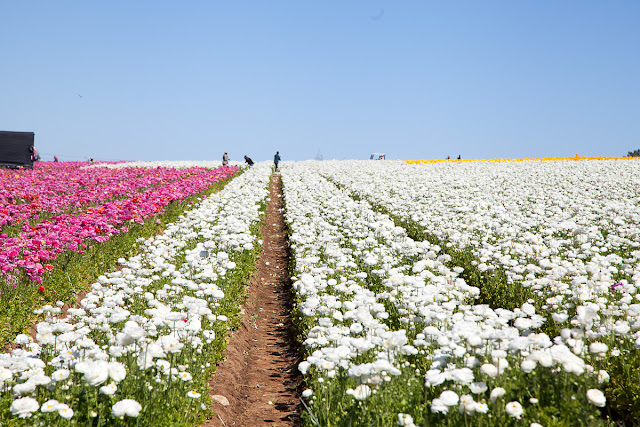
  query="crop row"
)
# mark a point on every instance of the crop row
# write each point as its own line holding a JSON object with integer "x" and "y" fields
{"x": 143, "y": 342}
{"x": 128, "y": 195}
{"x": 393, "y": 332}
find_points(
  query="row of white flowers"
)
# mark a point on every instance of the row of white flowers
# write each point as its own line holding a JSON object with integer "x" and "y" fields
{"x": 569, "y": 231}
{"x": 378, "y": 304}
{"x": 143, "y": 333}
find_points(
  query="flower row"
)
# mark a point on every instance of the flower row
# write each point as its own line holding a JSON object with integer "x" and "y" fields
{"x": 143, "y": 341}
{"x": 392, "y": 331}
{"x": 44, "y": 241}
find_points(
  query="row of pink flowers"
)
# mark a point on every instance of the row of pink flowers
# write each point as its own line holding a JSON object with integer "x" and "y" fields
{"x": 38, "y": 243}
{"x": 52, "y": 188}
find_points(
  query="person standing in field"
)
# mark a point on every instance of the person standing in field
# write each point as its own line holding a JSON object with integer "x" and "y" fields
{"x": 225, "y": 159}
{"x": 248, "y": 160}
{"x": 276, "y": 159}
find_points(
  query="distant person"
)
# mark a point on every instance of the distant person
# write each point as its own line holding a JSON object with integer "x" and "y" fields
{"x": 225, "y": 159}
{"x": 90, "y": 159}
{"x": 459, "y": 158}
{"x": 55, "y": 159}
{"x": 248, "y": 160}
{"x": 448, "y": 157}
{"x": 276, "y": 159}
{"x": 35, "y": 156}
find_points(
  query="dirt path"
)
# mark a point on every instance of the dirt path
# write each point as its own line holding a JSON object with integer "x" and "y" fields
{"x": 258, "y": 383}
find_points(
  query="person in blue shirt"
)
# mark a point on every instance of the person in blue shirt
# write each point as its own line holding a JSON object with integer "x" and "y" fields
{"x": 276, "y": 159}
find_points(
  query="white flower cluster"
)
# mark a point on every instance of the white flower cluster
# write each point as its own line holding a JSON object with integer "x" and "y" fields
{"x": 145, "y": 324}
{"x": 358, "y": 274}
{"x": 568, "y": 230}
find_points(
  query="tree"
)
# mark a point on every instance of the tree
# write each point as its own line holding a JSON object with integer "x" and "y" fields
{"x": 635, "y": 153}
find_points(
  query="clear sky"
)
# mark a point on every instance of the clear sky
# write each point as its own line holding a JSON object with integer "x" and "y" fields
{"x": 187, "y": 80}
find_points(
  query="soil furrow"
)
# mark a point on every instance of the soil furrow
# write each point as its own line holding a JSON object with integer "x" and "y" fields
{"x": 258, "y": 383}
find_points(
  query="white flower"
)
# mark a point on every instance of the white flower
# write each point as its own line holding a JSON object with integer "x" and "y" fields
{"x": 307, "y": 393}
{"x": 438, "y": 406}
{"x": 109, "y": 389}
{"x": 489, "y": 370}
{"x": 599, "y": 348}
{"x": 185, "y": 376}
{"x": 24, "y": 407}
{"x": 97, "y": 374}
{"x": 528, "y": 366}
{"x": 603, "y": 377}
{"x": 462, "y": 375}
{"x": 481, "y": 407}
{"x": 405, "y": 420}
{"x": 514, "y": 409}
{"x": 24, "y": 388}
{"x": 49, "y": 405}
{"x": 40, "y": 379}
{"x": 5, "y": 374}
{"x": 117, "y": 371}
{"x": 60, "y": 375}
{"x": 449, "y": 398}
{"x": 193, "y": 394}
{"x": 477, "y": 388}
{"x": 596, "y": 397}
{"x": 65, "y": 411}
{"x": 467, "y": 404}
{"x": 303, "y": 367}
{"x": 361, "y": 392}
{"x": 496, "y": 393}
{"x": 126, "y": 407}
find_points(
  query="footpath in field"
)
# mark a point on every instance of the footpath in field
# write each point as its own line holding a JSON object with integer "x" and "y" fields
{"x": 258, "y": 383}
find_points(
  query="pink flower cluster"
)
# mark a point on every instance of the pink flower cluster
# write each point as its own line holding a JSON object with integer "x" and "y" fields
{"x": 97, "y": 203}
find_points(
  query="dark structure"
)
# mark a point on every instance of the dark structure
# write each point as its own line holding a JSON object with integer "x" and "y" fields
{"x": 16, "y": 149}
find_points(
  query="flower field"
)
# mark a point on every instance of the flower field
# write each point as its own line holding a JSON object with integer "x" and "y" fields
{"x": 467, "y": 293}
{"x": 426, "y": 293}
{"x": 141, "y": 346}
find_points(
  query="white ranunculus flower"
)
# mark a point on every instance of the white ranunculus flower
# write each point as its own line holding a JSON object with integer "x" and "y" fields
{"x": 449, "y": 398}
{"x": 127, "y": 407}
{"x": 117, "y": 371}
{"x": 109, "y": 389}
{"x": 24, "y": 407}
{"x": 598, "y": 347}
{"x": 603, "y": 377}
{"x": 50, "y": 406}
{"x": 489, "y": 370}
{"x": 528, "y": 365}
{"x": 65, "y": 411}
{"x": 596, "y": 397}
{"x": 438, "y": 406}
{"x": 478, "y": 387}
{"x": 60, "y": 375}
{"x": 514, "y": 409}
{"x": 24, "y": 388}
{"x": 361, "y": 392}
{"x": 5, "y": 374}
{"x": 405, "y": 420}
{"x": 97, "y": 373}
{"x": 496, "y": 393}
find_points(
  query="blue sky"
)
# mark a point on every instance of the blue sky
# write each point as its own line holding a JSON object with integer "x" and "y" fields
{"x": 170, "y": 80}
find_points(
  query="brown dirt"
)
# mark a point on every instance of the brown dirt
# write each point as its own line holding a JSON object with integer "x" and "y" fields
{"x": 259, "y": 376}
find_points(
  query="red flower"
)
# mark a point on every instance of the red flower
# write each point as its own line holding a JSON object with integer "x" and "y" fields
{"x": 41, "y": 289}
